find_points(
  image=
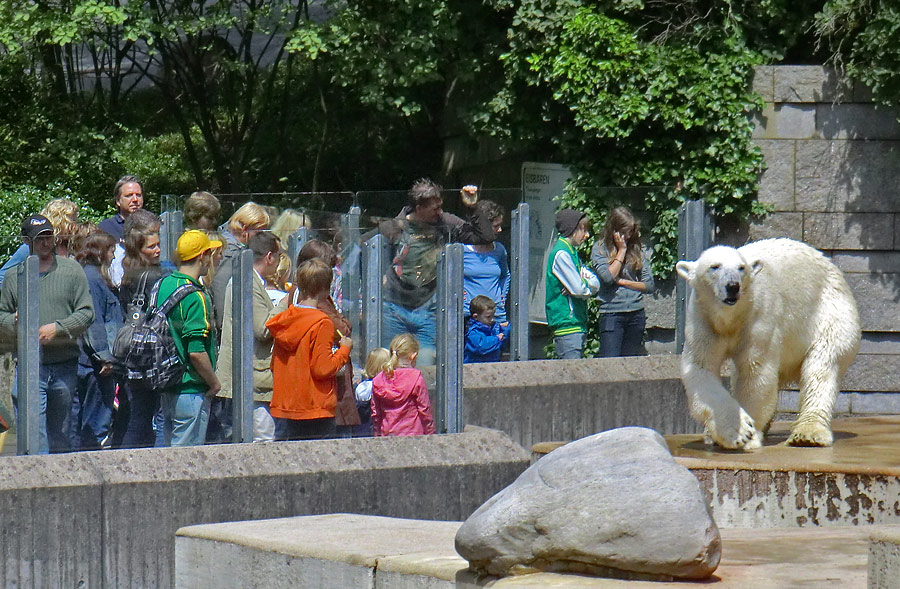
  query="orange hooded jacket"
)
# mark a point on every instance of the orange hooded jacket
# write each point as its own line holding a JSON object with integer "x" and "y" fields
{"x": 303, "y": 364}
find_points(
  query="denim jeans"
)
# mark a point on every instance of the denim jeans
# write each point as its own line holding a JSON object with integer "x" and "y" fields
{"x": 143, "y": 403}
{"x": 92, "y": 408}
{"x": 621, "y": 334}
{"x": 186, "y": 417}
{"x": 56, "y": 387}
{"x": 569, "y": 347}
{"x": 420, "y": 322}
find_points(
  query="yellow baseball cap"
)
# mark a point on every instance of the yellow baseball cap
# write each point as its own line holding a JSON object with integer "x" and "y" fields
{"x": 193, "y": 243}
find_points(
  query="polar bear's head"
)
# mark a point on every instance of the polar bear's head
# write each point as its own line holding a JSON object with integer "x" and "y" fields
{"x": 721, "y": 273}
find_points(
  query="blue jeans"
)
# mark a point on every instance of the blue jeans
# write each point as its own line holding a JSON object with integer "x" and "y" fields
{"x": 92, "y": 408}
{"x": 621, "y": 334}
{"x": 56, "y": 387}
{"x": 142, "y": 404}
{"x": 185, "y": 417}
{"x": 420, "y": 322}
{"x": 569, "y": 347}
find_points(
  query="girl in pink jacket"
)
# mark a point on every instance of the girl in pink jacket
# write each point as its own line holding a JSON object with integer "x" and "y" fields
{"x": 400, "y": 404}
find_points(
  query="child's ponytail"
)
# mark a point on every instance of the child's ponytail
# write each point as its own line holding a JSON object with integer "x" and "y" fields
{"x": 391, "y": 364}
{"x": 403, "y": 347}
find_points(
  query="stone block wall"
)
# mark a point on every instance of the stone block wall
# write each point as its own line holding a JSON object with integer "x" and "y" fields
{"x": 833, "y": 179}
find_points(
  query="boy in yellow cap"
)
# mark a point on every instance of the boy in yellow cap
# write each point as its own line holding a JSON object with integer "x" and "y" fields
{"x": 185, "y": 407}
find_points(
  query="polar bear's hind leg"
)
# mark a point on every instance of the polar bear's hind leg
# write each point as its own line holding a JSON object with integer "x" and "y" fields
{"x": 819, "y": 377}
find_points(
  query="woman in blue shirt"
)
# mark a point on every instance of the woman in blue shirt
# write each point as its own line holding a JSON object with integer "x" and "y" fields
{"x": 486, "y": 264}
{"x": 623, "y": 267}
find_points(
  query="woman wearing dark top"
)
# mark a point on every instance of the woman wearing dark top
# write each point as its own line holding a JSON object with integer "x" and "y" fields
{"x": 96, "y": 380}
{"x": 142, "y": 270}
{"x": 623, "y": 267}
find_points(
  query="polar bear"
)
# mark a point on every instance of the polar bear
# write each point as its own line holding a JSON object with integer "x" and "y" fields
{"x": 784, "y": 314}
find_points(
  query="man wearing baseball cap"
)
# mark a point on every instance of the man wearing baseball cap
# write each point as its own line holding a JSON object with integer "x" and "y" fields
{"x": 186, "y": 406}
{"x": 65, "y": 310}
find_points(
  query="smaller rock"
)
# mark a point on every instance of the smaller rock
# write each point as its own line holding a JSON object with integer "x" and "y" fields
{"x": 614, "y": 504}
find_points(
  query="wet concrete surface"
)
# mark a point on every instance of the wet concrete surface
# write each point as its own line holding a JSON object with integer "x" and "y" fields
{"x": 862, "y": 445}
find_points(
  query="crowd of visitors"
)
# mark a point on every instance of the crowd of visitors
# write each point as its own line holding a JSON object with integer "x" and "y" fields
{"x": 96, "y": 279}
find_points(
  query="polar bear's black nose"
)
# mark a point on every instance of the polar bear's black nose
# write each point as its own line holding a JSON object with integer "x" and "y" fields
{"x": 733, "y": 288}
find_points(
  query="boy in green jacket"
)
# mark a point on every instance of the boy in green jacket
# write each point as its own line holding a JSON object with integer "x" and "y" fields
{"x": 186, "y": 407}
{"x": 569, "y": 285}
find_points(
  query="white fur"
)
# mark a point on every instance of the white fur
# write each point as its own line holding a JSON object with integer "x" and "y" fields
{"x": 794, "y": 320}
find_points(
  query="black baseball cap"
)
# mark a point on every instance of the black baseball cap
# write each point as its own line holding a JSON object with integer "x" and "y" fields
{"x": 34, "y": 225}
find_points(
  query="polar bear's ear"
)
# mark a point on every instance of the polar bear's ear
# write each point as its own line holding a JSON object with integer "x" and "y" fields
{"x": 755, "y": 267}
{"x": 686, "y": 269}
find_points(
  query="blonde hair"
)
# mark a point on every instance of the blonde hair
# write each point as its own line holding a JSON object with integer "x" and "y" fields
{"x": 403, "y": 347}
{"x": 249, "y": 215}
{"x": 375, "y": 363}
{"x": 288, "y": 222}
{"x": 63, "y": 215}
{"x": 282, "y": 272}
{"x": 207, "y": 279}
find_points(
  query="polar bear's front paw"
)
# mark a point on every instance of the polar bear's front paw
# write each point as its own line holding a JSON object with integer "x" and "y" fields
{"x": 810, "y": 433}
{"x": 737, "y": 432}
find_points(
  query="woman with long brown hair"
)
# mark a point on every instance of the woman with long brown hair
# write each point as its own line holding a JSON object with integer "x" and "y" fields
{"x": 623, "y": 267}
{"x": 142, "y": 269}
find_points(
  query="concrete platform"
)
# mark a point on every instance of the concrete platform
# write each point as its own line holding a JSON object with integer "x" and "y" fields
{"x": 347, "y": 551}
{"x": 856, "y": 481}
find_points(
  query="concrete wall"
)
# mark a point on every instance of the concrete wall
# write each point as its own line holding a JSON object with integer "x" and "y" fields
{"x": 552, "y": 400}
{"x": 833, "y": 179}
{"x": 108, "y": 519}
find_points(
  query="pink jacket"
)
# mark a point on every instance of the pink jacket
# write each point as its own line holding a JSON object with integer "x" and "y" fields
{"x": 400, "y": 405}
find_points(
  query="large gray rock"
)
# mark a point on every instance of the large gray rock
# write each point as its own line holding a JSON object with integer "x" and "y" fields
{"x": 614, "y": 504}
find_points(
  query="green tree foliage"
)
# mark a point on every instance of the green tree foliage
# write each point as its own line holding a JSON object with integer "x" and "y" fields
{"x": 864, "y": 36}
{"x": 667, "y": 107}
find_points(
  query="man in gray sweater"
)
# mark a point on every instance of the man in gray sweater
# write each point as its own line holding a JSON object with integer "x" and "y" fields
{"x": 66, "y": 311}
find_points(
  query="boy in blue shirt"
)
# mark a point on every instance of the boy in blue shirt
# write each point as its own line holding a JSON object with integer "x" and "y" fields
{"x": 484, "y": 337}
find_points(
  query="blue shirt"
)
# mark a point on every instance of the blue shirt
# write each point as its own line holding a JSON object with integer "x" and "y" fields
{"x": 486, "y": 274}
{"x": 17, "y": 258}
{"x": 482, "y": 343}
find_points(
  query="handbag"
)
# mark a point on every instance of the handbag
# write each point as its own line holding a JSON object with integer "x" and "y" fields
{"x": 134, "y": 315}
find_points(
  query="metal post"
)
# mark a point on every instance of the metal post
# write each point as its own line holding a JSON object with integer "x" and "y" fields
{"x": 170, "y": 229}
{"x": 350, "y": 276}
{"x": 373, "y": 301}
{"x": 450, "y": 339}
{"x": 695, "y": 234}
{"x": 518, "y": 288}
{"x": 28, "y": 435}
{"x": 242, "y": 347}
{"x": 298, "y": 240}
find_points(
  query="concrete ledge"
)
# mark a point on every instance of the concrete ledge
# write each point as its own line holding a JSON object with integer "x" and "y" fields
{"x": 884, "y": 558}
{"x": 855, "y": 482}
{"x": 107, "y": 519}
{"x": 347, "y": 551}
{"x": 545, "y": 400}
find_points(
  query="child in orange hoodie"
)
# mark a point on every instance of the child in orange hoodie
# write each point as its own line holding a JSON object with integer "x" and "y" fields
{"x": 304, "y": 365}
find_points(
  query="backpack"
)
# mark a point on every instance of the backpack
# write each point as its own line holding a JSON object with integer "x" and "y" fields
{"x": 134, "y": 314}
{"x": 152, "y": 357}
